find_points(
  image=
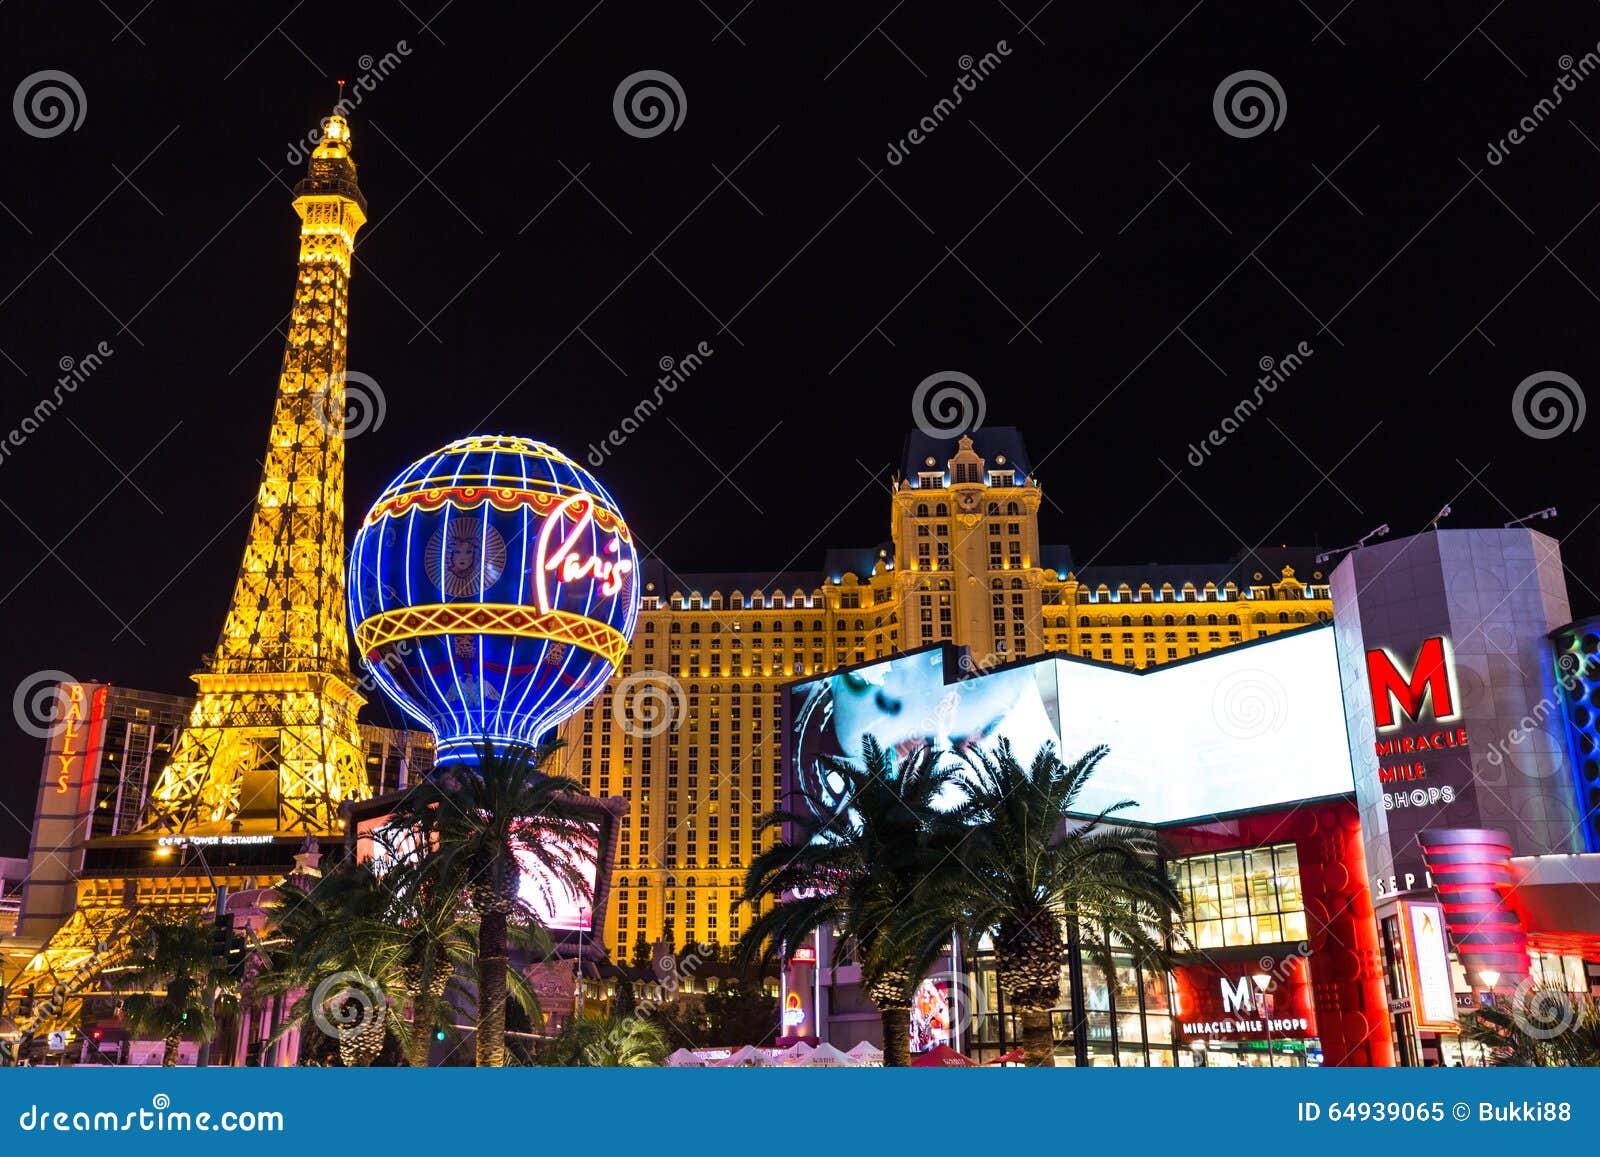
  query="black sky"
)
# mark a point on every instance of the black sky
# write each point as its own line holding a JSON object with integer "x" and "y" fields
{"x": 528, "y": 264}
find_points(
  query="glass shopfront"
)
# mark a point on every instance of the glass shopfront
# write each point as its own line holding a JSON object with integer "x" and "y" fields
{"x": 1234, "y": 899}
{"x": 1241, "y": 974}
{"x": 1121, "y": 1017}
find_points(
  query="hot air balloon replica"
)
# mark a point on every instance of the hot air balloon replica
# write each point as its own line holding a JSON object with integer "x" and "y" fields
{"x": 493, "y": 591}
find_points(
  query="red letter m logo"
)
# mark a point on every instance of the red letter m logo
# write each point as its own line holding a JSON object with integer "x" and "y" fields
{"x": 1389, "y": 686}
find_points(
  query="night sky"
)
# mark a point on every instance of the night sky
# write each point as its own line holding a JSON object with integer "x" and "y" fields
{"x": 1080, "y": 235}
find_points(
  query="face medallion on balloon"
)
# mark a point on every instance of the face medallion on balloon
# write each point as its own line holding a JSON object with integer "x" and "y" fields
{"x": 493, "y": 591}
{"x": 465, "y": 557}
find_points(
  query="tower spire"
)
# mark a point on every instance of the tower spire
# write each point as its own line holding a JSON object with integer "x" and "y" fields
{"x": 272, "y": 744}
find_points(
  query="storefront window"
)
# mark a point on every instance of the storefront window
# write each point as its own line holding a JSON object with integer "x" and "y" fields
{"x": 1556, "y": 971}
{"x": 1127, "y": 986}
{"x": 1127, "y": 1016}
{"x": 1235, "y": 899}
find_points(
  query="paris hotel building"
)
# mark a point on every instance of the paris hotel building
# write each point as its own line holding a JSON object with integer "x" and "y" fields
{"x": 689, "y": 730}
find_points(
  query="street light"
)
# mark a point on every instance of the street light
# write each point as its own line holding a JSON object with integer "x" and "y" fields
{"x": 1490, "y": 977}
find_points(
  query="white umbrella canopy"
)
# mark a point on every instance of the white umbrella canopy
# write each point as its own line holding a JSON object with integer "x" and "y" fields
{"x": 684, "y": 1059}
{"x": 866, "y": 1053}
{"x": 826, "y": 1056}
{"x": 747, "y": 1057}
{"x": 795, "y": 1053}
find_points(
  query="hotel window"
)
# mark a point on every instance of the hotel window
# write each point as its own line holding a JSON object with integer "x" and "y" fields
{"x": 1234, "y": 899}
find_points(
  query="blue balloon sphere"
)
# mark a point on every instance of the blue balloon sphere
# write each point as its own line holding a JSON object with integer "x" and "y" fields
{"x": 493, "y": 591}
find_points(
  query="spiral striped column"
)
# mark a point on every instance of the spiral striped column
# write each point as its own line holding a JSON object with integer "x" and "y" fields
{"x": 1471, "y": 870}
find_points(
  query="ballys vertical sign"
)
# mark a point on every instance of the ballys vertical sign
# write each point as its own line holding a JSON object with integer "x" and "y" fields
{"x": 79, "y": 720}
{"x": 72, "y": 724}
{"x": 1415, "y": 709}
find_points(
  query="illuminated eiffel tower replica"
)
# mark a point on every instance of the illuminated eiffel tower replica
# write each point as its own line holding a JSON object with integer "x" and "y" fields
{"x": 272, "y": 744}
{"x": 271, "y": 748}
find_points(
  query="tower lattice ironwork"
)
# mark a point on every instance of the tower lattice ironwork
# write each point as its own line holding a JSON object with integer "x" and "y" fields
{"x": 272, "y": 743}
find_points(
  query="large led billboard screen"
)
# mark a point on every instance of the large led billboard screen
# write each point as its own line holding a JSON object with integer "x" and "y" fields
{"x": 559, "y": 907}
{"x": 1248, "y": 727}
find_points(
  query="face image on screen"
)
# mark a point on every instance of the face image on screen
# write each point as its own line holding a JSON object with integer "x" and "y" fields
{"x": 930, "y": 1015}
{"x": 560, "y": 907}
{"x": 905, "y": 704}
{"x": 1237, "y": 729}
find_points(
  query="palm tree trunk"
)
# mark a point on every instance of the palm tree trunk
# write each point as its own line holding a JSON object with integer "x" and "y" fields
{"x": 1038, "y": 1038}
{"x": 169, "y": 1050}
{"x": 896, "y": 1037}
{"x": 421, "y": 1030}
{"x": 491, "y": 988}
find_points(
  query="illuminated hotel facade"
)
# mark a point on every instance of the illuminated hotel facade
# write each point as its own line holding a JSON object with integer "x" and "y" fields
{"x": 689, "y": 730}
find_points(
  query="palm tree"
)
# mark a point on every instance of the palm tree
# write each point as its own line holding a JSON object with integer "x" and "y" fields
{"x": 169, "y": 975}
{"x": 335, "y": 946}
{"x": 1545, "y": 1027}
{"x": 1037, "y": 867}
{"x": 607, "y": 1042}
{"x": 439, "y": 941}
{"x": 477, "y": 826}
{"x": 870, "y": 865}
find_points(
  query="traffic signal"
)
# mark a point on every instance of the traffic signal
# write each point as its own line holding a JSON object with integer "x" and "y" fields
{"x": 227, "y": 945}
{"x": 438, "y": 1034}
{"x": 221, "y": 937}
{"x": 95, "y": 1035}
